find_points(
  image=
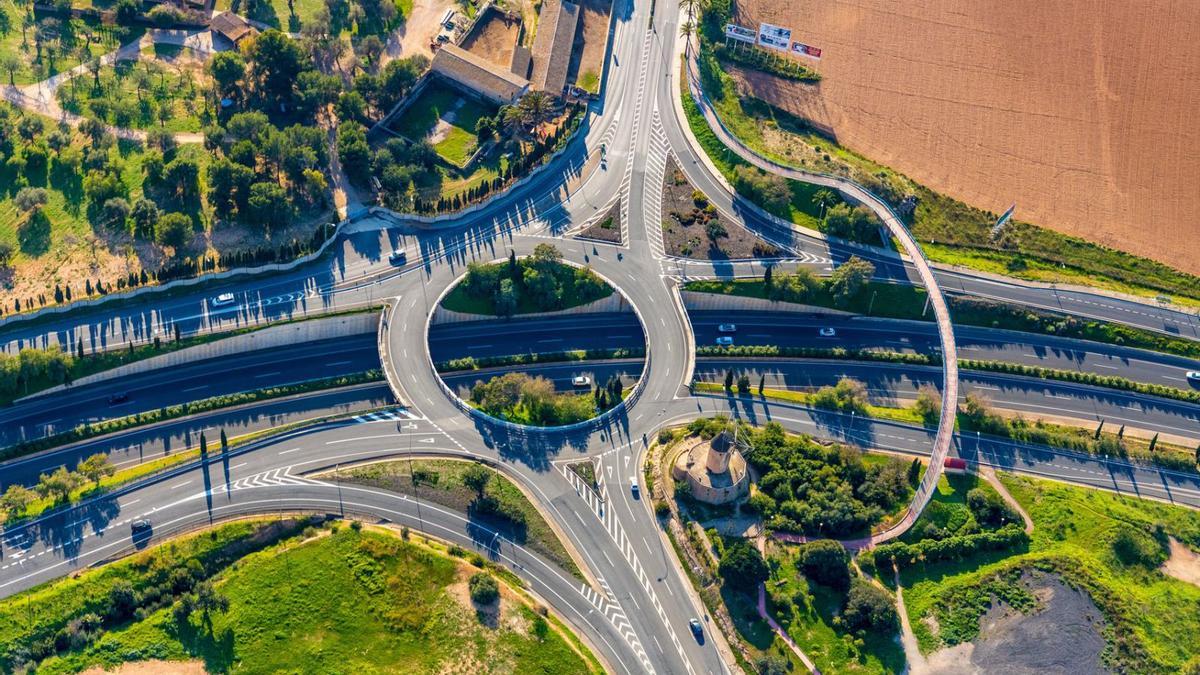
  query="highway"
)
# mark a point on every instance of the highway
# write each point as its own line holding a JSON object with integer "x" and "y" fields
{"x": 635, "y": 614}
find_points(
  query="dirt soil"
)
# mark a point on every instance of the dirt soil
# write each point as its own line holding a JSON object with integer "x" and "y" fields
{"x": 612, "y": 232}
{"x": 413, "y": 36}
{"x": 1064, "y": 635}
{"x": 691, "y": 240}
{"x": 591, "y": 40}
{"x": 494, "y": 39}
{"x": 1081, "y": 117}
{"x": 1184, "y": 563}
{"x": 152, "y": 668}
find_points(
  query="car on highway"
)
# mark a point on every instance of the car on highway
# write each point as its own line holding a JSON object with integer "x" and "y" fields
{"x": 118, "y": 398}
{"x": 827, "y": 332}
{"x": 398, "y": 257}
{"x": 222, "y": 300}
{"x": 697, "y": 629}
{"x": 724, "y": 341}
{"x": 727, "y": 328}
{"x": 1193, "y": 376}
{"x": 581, "y": 381}
{"x": 633, "y": 486}
{"x": 141, "y": 526}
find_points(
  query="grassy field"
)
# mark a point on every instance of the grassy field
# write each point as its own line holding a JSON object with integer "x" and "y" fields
{"x": 812, "y": 624}
{"x": 957, "y": 233}
{"x": 134, "y": 93}
{"x": 901, "y": 301}
{"x": 1152, "y": 616}
{"x": 438, "y": 103}
{"x": 441, "y": 481}
{"x": 350, "y": 601}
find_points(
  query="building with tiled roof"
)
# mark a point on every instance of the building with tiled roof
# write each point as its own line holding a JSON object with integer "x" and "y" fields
{"x": 231, "y": 27}
{"x": 553, "y": 44}
{"x": 478, "y": 75}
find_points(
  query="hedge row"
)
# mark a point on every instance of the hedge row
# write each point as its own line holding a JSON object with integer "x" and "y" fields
{"x": 87, "y": 430}
{"x": 472, "y": 363}
{"x": 950, "y": 548}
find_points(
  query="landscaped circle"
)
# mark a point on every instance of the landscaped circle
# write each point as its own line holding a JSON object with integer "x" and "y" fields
{"x": 535, "y": 341}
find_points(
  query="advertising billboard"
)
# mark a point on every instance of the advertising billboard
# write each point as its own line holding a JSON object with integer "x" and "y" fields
{"x": 774, "y": 37}
{"x": 740, "y": 33}
{"x": 801, "y": 49}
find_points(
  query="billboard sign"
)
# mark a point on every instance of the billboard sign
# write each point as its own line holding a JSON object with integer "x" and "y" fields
{"x": 774, "y": 37}
{"x": 740, "y": 33}
{"x": 801, "y": 49}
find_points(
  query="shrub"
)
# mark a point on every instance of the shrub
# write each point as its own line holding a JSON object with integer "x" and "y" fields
{"x": 742, "y": 567}
{"x": 869, "y": 608}
{"x": 484, "y": 589}
{"x": 1132, "y": 546}
{"x": 825, "y": 561}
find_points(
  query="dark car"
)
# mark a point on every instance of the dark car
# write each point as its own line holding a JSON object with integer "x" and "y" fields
{"x": 141, "y": 526}
{"x": 697, "y": 629}
{"x": 115, "y": 399}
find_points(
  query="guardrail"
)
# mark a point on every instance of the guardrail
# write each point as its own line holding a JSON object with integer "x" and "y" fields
{"x": 896, "y": 226}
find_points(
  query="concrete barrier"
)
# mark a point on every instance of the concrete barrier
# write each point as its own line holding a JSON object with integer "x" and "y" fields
{"x": 311, "y": 330}
{"x": 696, "y": 301}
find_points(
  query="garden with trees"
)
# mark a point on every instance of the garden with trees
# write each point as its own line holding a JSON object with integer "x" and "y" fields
{"x": 540, "y": 282}
{"x": 532, "y": 399}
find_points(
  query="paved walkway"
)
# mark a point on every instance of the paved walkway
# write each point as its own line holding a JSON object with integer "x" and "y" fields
{"x": 787, "y": 639}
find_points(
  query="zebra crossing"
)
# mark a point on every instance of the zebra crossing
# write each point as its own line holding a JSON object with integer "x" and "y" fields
{"x": 596, "y": 500}
{"x": 658, "y": 155}
{"x": 390, "y": 415}
{"x": 273, "y": 478}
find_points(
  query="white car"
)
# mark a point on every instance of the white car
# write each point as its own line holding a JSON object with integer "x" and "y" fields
{"x": 727, "y": 328}
{"x": 222, "y": 300}
{"x": 827, "y": 332}
{"x": 724, "y": 341}
{"x": 1193, "y": 375}
{"x": 581, "y": 381}
{"x": 398, "y": 257}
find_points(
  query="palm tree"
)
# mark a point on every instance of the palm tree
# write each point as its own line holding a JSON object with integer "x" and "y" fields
{"x": 686, "y": 30}
{"x": 535, "y": 108}
{"x": 12, "y": 63}
{"x": 823, "y": 198}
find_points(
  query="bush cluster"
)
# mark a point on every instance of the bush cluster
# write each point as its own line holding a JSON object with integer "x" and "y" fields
{"x": 960, "y": 547}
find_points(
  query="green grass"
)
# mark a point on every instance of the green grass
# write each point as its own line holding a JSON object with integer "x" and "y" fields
{"x": 905, "y": 415}
{"x": 178, "y": 88}
{"x": 809, "y": 620}
{"x": 62, "y": 57}
{"x": 961, "y": 232}
{"x": 948, "y": 509}
{"x": 1153, "y": 616}
{"x": 589, "y": 81}
{"x": 436, "y": 101}
{"x": 459, "y": 300}
{"x": 901, "y": 301}
{"x": 441, "y": 482}
{"x": 353, "y": 601}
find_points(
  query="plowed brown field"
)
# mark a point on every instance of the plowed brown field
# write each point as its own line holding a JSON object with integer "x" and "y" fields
{"x": 1086, "y": 113}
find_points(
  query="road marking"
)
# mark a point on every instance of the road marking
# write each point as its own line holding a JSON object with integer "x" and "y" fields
{"x": 179, "y": 485}
{"x": 237, "y": 466}
{"x": 284, "y": 452}
{"x": 339, "y": 363}
{"x": 203, "y": 386}
{"x": 266, "y": 374}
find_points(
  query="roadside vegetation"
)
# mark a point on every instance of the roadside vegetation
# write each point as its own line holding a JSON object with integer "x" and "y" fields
{"x": 902, "y": 301}
{"x": 538, "y": 283}
{"x": 90, "y": 430}
{"x": 524, "y": 399}
{"x": 487, "y": 496}
{"x": 956, "y": 233}
{"x": 581, "y": 355}
{"x": 1107, "y": 545}
{"x": 354, "y": 597}
{"x": 977, "y": 414}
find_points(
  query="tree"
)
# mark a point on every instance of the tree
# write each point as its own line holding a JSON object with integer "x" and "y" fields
{"x": 16, "y": 500}
{"x": 929, "y": 404}
{"x": 848, "y": 280}
{"x": 174, "y": 230}
{"x": 728, "y": 380}
{"x": 11, "y": 63}
{"x": 823, "y": 198}
{"x": 203, "y": 445}
{"x": 477, "y": 478}
{"x": 95, "y": 467}
{"x": 484, "y": 589}
{"x": 354, "y": 153}
{"x": 869, "y": 608}
{"x": 144, "y": 215}
{"x": 742, "y": 567}
{"x": 485, "y": 129}
{"x": 268, "y": 205}
{"x": 126, "y": 12}
{"x": 227, "y": 70}
{"x": 848, "y": 395}
{"x": 506, "y": 298}
{"x": 30, "y": 199}
{"x": 58, "y": 485}
{"x": 743, "y": 384}
{"x": 115, "y": 212}
{"x": 276, "y": 62}
{"x": 989, "y": 508}
{"x": 182, "y": 177}
{"x": 207, "y": 600}
{"x": 535, "y": 107}
{"x": 825, "y": 561}
{"x": 224, "y": 441}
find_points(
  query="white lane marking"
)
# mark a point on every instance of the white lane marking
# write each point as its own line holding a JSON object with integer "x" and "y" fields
{"x": 284, "y": 452}
{"x": 203, "y": 386}
{"x": 179, "y": 485}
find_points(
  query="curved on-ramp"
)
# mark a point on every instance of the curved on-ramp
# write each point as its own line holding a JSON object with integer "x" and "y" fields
{"x": 856, "y": 193}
